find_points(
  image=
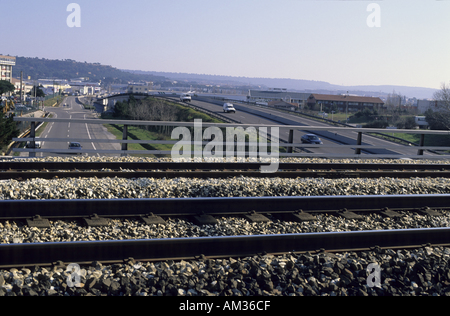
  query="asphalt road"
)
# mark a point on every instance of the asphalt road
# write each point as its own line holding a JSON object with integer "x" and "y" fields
{"x": 75, "y": 131}
{"x": 250, "y": 114}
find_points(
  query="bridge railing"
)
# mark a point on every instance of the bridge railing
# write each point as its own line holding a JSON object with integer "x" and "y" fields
{"x": 291, "y": 149}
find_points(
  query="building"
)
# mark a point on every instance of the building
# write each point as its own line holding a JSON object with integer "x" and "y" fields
{"x": 140, "y": 88}
{"x": 435, "y": 106}
{"x": 6, "y": 64}
{"x": 344, "y": 102}
{"x": 277, "y": 95}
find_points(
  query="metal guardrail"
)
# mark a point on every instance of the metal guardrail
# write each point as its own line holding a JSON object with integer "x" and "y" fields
{"x": 358, "y": 146}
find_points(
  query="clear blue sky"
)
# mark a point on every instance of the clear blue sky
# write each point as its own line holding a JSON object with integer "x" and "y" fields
{"x": 299, "y": 39}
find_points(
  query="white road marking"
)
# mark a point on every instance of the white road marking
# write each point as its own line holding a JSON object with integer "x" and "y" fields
{"x": 89, "y": 134}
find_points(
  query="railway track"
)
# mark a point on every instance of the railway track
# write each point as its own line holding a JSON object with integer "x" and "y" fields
{"x": 39, "y": 214}
{"x": 204, "y": 210}
{"x": 50, "y": 170}
{"x": 43, "y": 254}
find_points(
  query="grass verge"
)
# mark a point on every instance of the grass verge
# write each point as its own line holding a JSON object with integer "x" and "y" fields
{"x": 136, "y": 133}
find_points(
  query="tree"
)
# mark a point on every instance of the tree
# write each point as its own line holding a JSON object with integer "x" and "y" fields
{"x": 440, "y": 119}
{"x": 8, "y": 129}
{"x": 437, "y": 120}
{"x": 121, "y": 110}
{"x": 406, "y": 123}
{"x": 6, "y": 86}
{"x": 443, "y": 97}
{"x": 39, "y": 92}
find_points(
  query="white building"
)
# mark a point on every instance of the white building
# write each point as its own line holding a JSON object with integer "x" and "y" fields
{"x": 424, "y": 105}
{"x": 6, "y": 64}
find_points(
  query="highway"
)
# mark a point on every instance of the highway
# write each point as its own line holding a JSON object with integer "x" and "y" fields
{"x": 250, "y": 114}
{"x": 246, "y": 114}
{"x": 75, "y": 131}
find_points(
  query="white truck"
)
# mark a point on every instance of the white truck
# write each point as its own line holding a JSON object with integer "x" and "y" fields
{"x": 185, "y": 98}
{"x": 228, "y": 107}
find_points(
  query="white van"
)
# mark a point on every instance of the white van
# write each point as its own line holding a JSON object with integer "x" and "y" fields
{"x": 228, "y": 107}
{"x": 185, "y": 98}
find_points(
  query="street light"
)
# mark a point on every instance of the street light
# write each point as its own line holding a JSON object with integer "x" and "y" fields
{"x": 346, "y": 109}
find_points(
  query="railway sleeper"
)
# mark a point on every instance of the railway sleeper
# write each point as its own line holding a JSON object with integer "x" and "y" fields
{"x": 151, "y": 218}
{"x": 38, "y": 221}
{"x": 96, "y": 221}
{"x": 390, "y": 213}
{"x": 349, "y": 214}
{"x": 429, "y": 211}
{"x": 205, "y": 219}
{"x": 256, "y": 218}
{"x": 301, "y": 216}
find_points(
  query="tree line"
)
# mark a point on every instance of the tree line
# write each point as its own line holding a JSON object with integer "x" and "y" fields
{"x": 155, "y": 109}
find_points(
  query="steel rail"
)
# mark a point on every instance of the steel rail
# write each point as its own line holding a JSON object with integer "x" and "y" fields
{"x": 217, "y": 206}
{"x": 24, "y": 175}
{"x": 23, "y": 164}
{"x": 184, "y": 248}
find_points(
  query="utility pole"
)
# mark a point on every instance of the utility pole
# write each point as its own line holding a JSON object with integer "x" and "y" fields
{"x": 21, "y": 92}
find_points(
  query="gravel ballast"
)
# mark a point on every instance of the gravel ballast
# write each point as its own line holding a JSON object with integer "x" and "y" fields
{"x": 408, "y": 272}
{"x": 414, "y": 272}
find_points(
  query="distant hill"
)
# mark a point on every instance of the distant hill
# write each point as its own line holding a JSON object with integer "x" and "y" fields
{"x": 39, "y": 68}
{"x": 298, "y": 85}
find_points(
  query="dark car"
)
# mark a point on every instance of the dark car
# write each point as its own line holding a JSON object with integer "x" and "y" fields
{"x": 75, "y": 146}
{"x": 311, "y": 139}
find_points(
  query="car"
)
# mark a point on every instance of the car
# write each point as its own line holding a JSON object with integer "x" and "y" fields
{"x": 75, "y": 146}
{"x": 36, "y": 145}
{"x": 311, "y": 139}
{"x": 185, "y": 98}
{"x": 228, "y": 107}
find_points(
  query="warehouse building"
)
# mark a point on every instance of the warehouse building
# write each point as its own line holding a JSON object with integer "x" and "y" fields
{"x": 277, "y": 95}
{"x": 344, "y": 102}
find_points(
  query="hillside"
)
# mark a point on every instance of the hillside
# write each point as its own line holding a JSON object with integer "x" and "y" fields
{"x": 38, "y": 68}
{"x": 298, "y": 84}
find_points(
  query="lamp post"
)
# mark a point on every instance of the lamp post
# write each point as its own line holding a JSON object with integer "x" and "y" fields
{"x": 346, "y": 109}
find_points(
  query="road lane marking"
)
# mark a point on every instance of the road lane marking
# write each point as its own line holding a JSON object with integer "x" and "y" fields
{"x": 89, "y": 134}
